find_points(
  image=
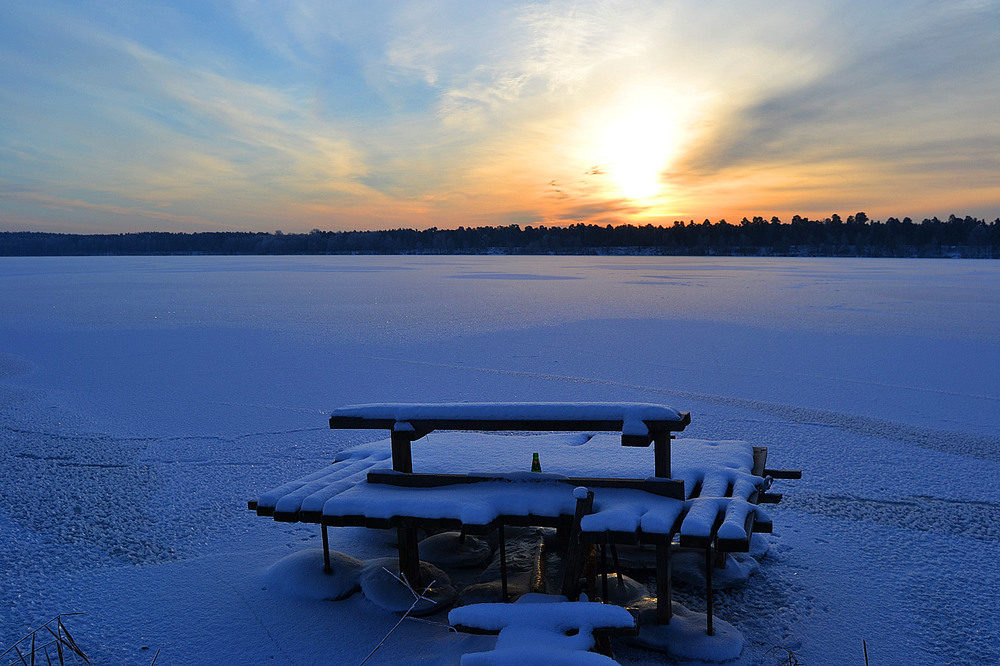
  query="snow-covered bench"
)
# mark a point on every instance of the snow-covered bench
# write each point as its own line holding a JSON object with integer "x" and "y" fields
{"x": 640, "y": 424}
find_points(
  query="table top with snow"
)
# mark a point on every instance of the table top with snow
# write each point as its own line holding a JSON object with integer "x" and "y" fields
{"x": 638, "y": 419}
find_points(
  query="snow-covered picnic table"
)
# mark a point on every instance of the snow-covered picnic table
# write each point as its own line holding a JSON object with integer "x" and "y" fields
{"x": 361, "y": 489}
{"x": 705, "y": 493}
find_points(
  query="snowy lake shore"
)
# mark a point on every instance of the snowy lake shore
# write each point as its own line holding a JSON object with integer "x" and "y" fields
{"x": 144, "y": 400}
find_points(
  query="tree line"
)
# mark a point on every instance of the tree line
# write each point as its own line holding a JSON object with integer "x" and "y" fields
{"x": 857, "y": 236}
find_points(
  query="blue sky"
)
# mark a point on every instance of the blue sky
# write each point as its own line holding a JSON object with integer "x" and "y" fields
{"x": 189, "y": 116}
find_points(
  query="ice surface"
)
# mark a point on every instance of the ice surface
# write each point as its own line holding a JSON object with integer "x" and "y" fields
{"x": 144, "y": 400}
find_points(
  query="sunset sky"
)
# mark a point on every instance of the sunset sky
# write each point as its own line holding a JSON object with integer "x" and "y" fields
{"x": 264, "y": 115}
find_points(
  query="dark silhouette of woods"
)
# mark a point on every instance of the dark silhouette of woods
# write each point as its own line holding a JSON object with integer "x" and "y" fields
{"x": 857, "y": 236}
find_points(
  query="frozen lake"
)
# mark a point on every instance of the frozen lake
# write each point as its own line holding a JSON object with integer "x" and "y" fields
{"x": 144, "y": 400}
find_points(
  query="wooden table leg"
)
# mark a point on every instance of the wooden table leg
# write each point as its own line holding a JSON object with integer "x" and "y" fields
{"x": 709, "y": 564}
{"x": 503, "y": 563}
{"x": 326, "y": 553}
{"x": 664, "y": 589}
{"x": 409, "y": 558}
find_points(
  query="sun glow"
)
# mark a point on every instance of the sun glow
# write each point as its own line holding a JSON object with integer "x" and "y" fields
{"x": 632, "y": 142}
{"x": 639, "y": 146}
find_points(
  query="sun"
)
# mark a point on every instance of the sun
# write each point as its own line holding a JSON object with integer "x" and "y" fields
{"x": 638, "y": 146}
{"x": 633, "y": 140}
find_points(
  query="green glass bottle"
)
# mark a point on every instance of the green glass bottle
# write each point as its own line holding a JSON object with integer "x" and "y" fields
{"x": 536, "y": 465}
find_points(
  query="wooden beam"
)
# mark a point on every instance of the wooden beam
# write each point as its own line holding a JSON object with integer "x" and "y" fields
{"x": 783, "y": 473}
{"x": 661, "y": 454}
{"x": 709, "y": 595}
{"x": 409, "y": 557}
{"x": 326, "y": 552}
{"x": 402, "y": 458}
{"x": 759, "y": 460}
{"x": 422, "y": 426}
{"x": 673, "y": 488}
{"x": 502, "y": 547}
{"x": 738, "y": 545}
{"x": 575, "y": 555}
{"x": 664, "y": 587}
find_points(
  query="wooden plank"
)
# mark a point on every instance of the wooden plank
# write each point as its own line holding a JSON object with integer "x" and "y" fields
{"x": 692, "y": 541}
{"x": 493, "y": 425}
{"x": 609, "y": 536}
{"x": 423, "y": 480}
{"x": 575, "y": 555}
{"x": 506, "y": 415}
{"x": 783, "y": 473}
{"x": 423, "y": 426}
{"x": 402, "y": 458}
{"x": 311, "y": 516}
{"x": 409, "y": 557}
{"x": 661, "y": 454}
{"x": 562, "y": 520}
{"x": 673, "y": 488}
{"x": 738, "y": 545}
{"x": 664, "y": 585}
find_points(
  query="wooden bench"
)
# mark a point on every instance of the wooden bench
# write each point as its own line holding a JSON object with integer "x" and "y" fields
{"x": 641, "y": 424}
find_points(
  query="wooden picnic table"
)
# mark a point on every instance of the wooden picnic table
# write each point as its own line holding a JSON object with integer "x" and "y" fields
{"x": 359, "y": 493}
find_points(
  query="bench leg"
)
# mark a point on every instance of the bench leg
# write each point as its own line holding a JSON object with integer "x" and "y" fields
{"x": 326, "y": 553}
{"x": 614, "y": 558}
{"x": 409, "y": 558}
{"x": 503, "y": 563}
{"x": 708, "y": 588}
{"x": 575, "y": 555}
{"x": 604, "y": 573}
{"x": 664, "y": 591}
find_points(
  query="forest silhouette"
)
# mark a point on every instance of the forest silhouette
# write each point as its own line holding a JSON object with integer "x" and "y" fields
{"x": 857, "y": 236}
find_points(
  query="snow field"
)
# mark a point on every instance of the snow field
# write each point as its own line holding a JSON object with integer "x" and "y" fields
{"x": 143, "y": 401}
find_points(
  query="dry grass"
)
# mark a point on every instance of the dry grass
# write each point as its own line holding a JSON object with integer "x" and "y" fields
{"x": 39, "y": 642}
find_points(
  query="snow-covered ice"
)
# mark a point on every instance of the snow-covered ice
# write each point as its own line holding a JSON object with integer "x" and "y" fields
{"x": 144, "y": 400}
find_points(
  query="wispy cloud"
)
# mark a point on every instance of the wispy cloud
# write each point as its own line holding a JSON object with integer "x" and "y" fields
{"x": 918, "y": 100}
{"x": 313, "y": 113}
